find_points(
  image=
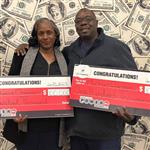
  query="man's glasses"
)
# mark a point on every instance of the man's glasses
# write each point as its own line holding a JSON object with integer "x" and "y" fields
{"x": 87, "y": 19}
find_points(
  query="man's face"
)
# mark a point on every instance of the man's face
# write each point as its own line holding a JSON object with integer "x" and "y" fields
{"x": 46, "y": 35}
{"x": 86, "y": 24}
{"x": 55, "y": 11}
{"x": 8, "y": 27}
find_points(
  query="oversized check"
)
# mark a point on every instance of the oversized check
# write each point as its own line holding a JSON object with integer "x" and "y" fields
{"x": 108, "y": 89}
{"x": 35, "y": 97}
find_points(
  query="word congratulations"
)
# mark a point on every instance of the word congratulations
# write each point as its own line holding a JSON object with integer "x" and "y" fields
{"x": 30, "y": 82}
{"x": 116, "y": 75}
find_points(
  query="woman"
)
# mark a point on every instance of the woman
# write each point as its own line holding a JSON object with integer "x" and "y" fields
{"x": 41, "y": 133}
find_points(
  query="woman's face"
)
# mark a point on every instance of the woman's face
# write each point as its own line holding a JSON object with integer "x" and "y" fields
{"x": 46, "y": 35}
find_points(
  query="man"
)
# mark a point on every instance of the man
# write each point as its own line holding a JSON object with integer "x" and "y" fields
{"x": 7, "y": 27}
{"x": 92, "y": 129}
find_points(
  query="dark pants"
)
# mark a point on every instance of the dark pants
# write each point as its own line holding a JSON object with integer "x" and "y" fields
{"x": 39, "y": 141}
{"x": 78, "y": 143}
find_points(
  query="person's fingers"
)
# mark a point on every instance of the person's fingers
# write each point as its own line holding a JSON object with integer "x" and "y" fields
{"x": 128, "y": 116}
{"x": 122, "y": 113}
{"x": 20, "y": 118}
{"x": 21, "y": 49}
{"x": 23, "y": 52}
{"x": 20, "y": 52}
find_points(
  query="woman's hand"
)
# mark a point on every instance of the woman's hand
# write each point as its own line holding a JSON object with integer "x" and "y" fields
{"x": 20, "y": 118}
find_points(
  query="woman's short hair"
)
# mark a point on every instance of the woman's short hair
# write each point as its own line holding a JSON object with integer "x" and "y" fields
{"x": 33, "y": 40}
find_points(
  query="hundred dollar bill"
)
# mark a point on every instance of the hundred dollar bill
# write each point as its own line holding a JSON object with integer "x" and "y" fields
{"x": 141, "y": 127}
{"x": 2, "y": 143}
{"x": 3, "y": 51}
{"x": 1, "y": 126}
{"x": 125, "y": 147}
{"x": 21, "y": 8}
{"x": 42, "y": 11}
{"x": 7, "y": 60}
{"x": 148, "y": 61}
{"x": 29, "y": 26}
{"x": 129, "y": 3}
{"x": 102, "y": 5}
{"x": 69, "y": 32}
{"x": 136, "y": 141}
{"x": 140, "y": 46}
{"x": 126, "y": 34}
{"x": 8, "y": 56}
{"x": 141, "y": 62}
{"x": 139, "y": 19}
{"x": 59, "y": 25}
{"x": 109, "y": 29}
{"x": 59, "y": 10}
{"x": 71, "y": 8}
{"x": 10, "y": 146}
{"x": 42, "y": 1}
{"x": 56, "y": 10}
{"x": 3, "y": 48}
{"x": 148, "y": 146}
{"x": 119, "y": 15}
{"x": 99, "y": 15}
{"x": 147, "y": 67}
{"x": 5, "y": 70}
{"x": 148, "y": 33}
{"x": 11, "y": 31}
{"x": 0, "y": 68}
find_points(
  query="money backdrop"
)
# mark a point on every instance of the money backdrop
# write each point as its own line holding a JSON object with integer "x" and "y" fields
{"x": 126, "y": 20}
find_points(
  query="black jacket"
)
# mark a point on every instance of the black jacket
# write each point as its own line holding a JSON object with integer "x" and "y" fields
{"x": 105, "y": 52}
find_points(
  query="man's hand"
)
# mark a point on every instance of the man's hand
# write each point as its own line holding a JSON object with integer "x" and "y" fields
{"x": 122, "y": 113}
{"x": 22, "y": 49}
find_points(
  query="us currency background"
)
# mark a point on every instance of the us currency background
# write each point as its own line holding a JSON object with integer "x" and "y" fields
{"x": 126, "y": 20}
